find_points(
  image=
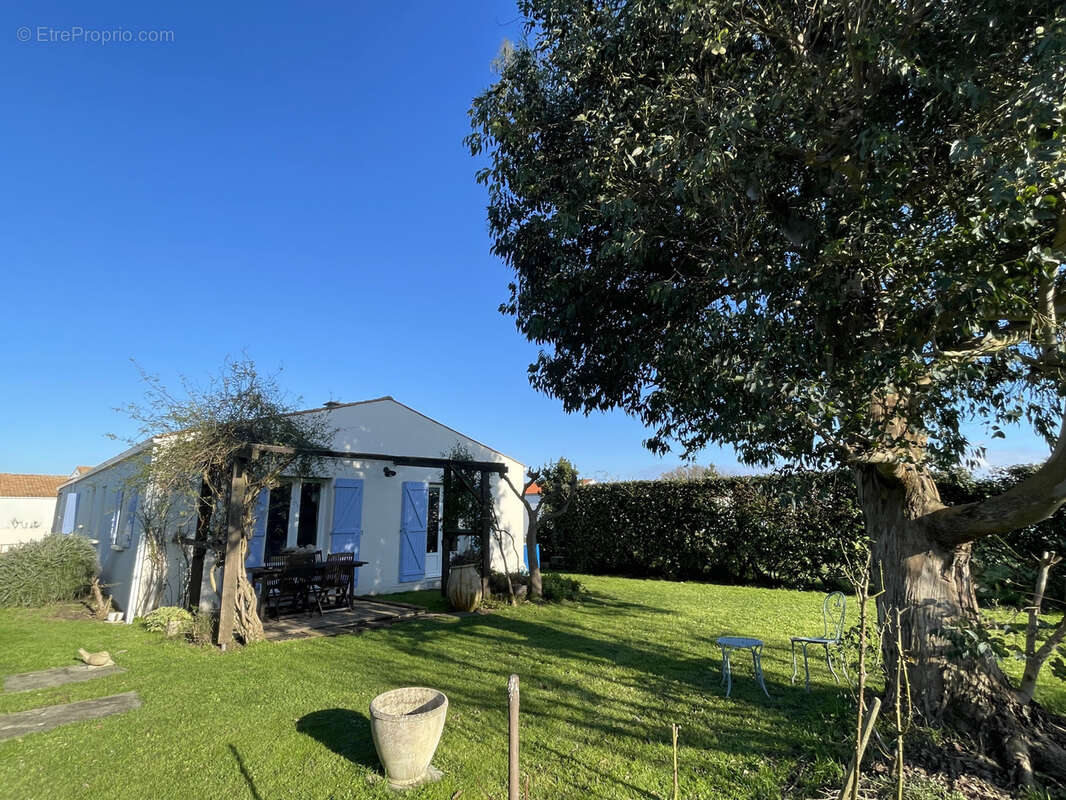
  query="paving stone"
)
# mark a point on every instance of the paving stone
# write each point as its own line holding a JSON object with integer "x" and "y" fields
{"x": 44, "y": 719}
{"x": 47, "y": 678}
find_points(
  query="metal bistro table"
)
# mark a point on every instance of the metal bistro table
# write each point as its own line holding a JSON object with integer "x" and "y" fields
{"x": 728, "y": 643}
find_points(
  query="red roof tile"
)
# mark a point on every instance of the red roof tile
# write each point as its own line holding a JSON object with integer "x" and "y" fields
{"x": 13, "y": 485}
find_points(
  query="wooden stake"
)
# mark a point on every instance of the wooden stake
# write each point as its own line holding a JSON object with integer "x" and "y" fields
{"x": 512, "y": 730}
{"x": 856, "y": 759}
{"x": 674, "y": 727}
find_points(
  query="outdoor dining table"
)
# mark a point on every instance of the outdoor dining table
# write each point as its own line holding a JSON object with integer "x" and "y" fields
{"x": 303, "y": 575}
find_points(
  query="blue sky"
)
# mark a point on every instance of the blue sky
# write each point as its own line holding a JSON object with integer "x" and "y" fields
{"x": 286, "y": 182}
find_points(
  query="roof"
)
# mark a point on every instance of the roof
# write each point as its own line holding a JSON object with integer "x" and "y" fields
{"x": 80, "y": 471}
{"x": 15, "y": 485}
{"x": 332, "y": 405}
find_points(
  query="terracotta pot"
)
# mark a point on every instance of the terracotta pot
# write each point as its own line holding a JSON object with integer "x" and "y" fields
{"x": 464, "y": 587}
{"x": 406, "y": 725}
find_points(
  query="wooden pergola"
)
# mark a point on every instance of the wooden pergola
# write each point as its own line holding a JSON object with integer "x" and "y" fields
{"x": 453, "y": 470}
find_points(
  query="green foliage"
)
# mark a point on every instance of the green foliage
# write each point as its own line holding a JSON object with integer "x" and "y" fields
{"x": 200, "y": 431}
{"x": 49, "y": 570}
{"x": 159, "y": 619}
{"x": 558, "y": 588}
{"x": 690, "y": 472}
{"x": 1005, "y": 567}
{"x": 203, "y": 630}
{"x": 781, "y": 530}
{"x": 749, "y": 530}
{"x": 752, "y": 227}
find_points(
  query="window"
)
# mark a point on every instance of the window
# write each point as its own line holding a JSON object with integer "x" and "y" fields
{"x": 433, "y": 520}
{"x": 277, "y": 530}
{"x": 307, "y": 530}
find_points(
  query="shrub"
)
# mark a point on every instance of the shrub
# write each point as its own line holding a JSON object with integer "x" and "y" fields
{"x": 767, "y": 530}
{"x": 204, "y": 628}
{"x": 793, "y": 531}
{"x": 558, "y": 587}
{"x": 160, "y": 619}
{"x": 54, "y": 569}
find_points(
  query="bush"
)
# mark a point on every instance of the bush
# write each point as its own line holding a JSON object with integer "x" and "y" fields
{"x": 54, "y": 569}
{"x": 558, "y": 587}
{"x": 159, "y": 620}
{"x": 204, "y": 628}
{"x": 792, "y": 531}
{"x": 767, "y": 530}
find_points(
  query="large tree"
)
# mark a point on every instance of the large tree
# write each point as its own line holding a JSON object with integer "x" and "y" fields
{"x": 820, "y": 232}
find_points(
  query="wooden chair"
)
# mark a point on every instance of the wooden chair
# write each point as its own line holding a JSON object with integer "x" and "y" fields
{"x": 340, "y": 571}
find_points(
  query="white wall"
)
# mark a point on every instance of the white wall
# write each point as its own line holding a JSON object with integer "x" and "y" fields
{"x": 24, "y": 519}
{"x": 124, "y": 565}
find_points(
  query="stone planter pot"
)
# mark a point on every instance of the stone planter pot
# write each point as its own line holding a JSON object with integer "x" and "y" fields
{"x": 406, "y": 725}
{"x": 464, "y": 587}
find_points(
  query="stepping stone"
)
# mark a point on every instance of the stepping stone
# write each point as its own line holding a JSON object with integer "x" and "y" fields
{"x": 44, "y": 719}
{"x": 47, "y": 678}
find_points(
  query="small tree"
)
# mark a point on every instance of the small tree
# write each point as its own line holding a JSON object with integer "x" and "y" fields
{"x": 691, "y": 472}
{"x": 557, "y": 482}
{"x": 196, "y": 437}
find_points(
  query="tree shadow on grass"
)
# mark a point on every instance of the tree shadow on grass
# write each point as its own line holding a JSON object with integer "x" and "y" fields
{"x": 245, "y": 773}
{"x": 345, "y": 732}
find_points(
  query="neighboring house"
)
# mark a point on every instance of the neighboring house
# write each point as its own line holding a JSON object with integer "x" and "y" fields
{"x": 388, "y": 514}
{"x": 27, "y": 505}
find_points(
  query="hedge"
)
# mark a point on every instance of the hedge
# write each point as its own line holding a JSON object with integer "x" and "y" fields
{"x": 794, "y": 531}
{"x": 49, "y": 570}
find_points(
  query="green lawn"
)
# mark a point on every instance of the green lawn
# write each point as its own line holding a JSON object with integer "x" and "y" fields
{"x": 601, "y": 683}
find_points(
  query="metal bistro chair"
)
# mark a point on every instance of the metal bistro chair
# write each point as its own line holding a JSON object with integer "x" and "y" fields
{"x": 832, "y": 631}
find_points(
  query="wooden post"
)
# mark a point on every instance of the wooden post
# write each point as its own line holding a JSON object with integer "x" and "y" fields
{"x": 486, "y": 536}
{"x": 234, "y": 534}
{"x": 446, "y": 539}
{"x": 856, "y": 758}
{"x": 676, "y": 795}
{"x": 512, "y": 738}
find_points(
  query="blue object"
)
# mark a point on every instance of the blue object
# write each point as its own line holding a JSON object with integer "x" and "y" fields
{"x": 347, "y": 532}
{"x": 833, "y": 609}
{"x": 413, "y": 531}
{"x": 70, "y": 512}
{"x": 525, "y": 556}
{"x": 729, "y": 643}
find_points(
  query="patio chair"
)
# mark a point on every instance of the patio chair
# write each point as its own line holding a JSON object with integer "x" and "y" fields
{"x": 339, "y": 569}
{"x": 833, "y": 608}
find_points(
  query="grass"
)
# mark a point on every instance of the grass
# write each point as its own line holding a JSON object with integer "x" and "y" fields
{"x": 601, "y": 682}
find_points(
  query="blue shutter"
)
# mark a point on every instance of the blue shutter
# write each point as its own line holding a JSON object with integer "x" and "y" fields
{"x": 116, "y": 517}
{"x": 347, "y": 516}
{"x": 257, "y": 543}
{"x": 70, "y": 512}
{"x": 126, "y": 533}
{"x": 413, "y": 531}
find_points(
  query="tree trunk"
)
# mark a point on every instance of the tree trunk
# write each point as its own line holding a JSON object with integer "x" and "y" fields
{"x": 932, "y": 584}
{"x": 536, "y": 584}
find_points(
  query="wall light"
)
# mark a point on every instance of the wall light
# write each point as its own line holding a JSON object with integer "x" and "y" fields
{"x": 389, "y": 472}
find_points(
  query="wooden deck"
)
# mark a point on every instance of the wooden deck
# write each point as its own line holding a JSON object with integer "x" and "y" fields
{"x": 367, "y": 612}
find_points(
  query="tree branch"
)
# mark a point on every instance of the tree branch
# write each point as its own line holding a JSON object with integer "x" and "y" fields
{"x": 1034, "y": 499}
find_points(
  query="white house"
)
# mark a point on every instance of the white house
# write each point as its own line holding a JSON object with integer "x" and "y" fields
{"x": 388, "y": 514}
{"x": 27, "y": 505}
